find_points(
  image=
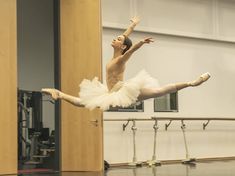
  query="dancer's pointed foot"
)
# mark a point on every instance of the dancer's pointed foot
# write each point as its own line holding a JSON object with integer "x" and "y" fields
{"x": 54, "y": 93}
{"x": 204, "y": 77}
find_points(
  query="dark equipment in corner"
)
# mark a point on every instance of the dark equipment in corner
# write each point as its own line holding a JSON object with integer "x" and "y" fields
{"x": 35, "y": 145}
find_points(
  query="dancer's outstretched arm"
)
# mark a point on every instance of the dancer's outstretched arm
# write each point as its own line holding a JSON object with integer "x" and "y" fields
{"x": 134, "y": 21}
{"x": 56, "y": 94}
{"x": 135, "y": 47}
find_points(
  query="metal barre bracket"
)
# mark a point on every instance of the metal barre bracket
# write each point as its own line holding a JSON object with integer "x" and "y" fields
{"x": 167, "y": 125}
{"x": 205, "y": 124}
{"x": 125, "y": 125}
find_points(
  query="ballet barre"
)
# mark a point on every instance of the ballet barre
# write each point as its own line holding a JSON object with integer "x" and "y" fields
{"x": 155, "y": 162}
{"x": 182, "y": 119}
{"x": 170, "y": 119}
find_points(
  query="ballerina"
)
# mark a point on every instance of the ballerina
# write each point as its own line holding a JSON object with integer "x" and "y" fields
{"x": 116, "y": 91}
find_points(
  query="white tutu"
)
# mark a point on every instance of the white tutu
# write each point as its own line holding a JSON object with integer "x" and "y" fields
{"x": 95, "y": 94}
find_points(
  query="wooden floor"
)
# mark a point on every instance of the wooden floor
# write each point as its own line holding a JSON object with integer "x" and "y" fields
{"x": 215, "y": 168}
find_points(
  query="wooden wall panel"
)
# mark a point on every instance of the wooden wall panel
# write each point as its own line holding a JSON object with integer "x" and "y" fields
{"x": 80, "y": 29}
{"x": 8, "y": 88}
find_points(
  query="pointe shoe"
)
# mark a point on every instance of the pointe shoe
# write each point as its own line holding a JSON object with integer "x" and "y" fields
{"x": 55, "y": 94}
{"x": 204, "y": 77}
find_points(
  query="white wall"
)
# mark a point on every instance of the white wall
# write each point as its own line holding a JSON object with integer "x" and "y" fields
{"x": 36, "y": 50}
{"x": 180, "y": 53}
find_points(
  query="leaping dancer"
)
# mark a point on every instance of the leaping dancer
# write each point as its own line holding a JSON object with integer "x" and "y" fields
{"x": 116, "y": 91}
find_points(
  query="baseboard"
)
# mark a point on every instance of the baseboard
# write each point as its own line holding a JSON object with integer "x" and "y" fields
{"x": 178, "y": 161}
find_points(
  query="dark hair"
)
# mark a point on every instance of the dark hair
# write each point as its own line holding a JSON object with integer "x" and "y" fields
{"x": 126, "y": 42}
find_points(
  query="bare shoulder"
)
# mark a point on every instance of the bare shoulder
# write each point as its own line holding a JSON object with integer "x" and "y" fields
{"x": 116, "y": 60}
{"x": 122, "y": 59}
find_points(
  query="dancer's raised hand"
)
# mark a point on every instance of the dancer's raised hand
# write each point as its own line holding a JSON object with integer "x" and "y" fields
{"x": 135, "y": 20}
{"x": 147, "y": 40}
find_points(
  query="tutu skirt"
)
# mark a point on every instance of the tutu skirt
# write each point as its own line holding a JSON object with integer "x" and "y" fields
{"x": 125, "y": 93}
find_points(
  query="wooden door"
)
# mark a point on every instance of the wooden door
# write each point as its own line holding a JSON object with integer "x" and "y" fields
{"x": 8, "y": 88}
{"x": 80, "y": 44}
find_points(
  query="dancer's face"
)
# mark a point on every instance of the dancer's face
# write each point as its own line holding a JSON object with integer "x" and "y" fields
{"x": 118, "y": 42}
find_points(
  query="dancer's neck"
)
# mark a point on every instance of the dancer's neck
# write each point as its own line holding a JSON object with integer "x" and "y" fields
{"x": 117, "y": 53}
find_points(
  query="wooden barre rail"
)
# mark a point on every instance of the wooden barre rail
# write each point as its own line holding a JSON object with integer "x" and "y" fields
{"x": 173, "y": 118}
{"x": 170, "y": 119}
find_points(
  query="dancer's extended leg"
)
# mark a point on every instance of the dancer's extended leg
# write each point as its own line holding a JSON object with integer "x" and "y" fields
{"x": 56, "y": 94}
{"x": 147, "y": 93}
